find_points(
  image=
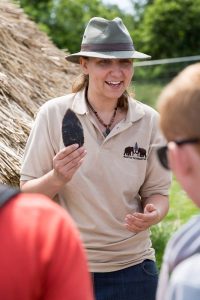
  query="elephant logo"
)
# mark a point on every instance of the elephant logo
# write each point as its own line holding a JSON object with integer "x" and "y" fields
{"x": 135, "y": 152}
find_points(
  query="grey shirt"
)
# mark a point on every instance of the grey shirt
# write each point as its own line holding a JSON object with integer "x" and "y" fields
{"x": 184, "y": 283}
{"x": 180, "y": 272}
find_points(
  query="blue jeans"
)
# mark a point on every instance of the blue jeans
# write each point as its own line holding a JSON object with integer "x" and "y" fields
{"x": 134, "y": 283}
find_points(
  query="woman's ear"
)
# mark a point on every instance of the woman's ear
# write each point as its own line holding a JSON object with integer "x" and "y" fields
{"x": 84, "y": 65}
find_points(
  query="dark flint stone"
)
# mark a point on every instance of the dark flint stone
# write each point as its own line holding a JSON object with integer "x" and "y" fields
{"x": 72, "y": 130}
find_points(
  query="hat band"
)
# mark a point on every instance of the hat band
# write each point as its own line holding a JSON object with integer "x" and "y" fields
{"x": 108, "y": 47}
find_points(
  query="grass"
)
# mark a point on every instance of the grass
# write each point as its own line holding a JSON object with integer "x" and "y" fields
{"x": 181, "y": 207}
{"x": 147, "y": 92}
{"x": 181, "y": 210}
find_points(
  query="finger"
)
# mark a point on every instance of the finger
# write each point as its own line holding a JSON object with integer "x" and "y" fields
{"x": 138, "y": 216}
{"x": 70, "y": 172}
{"x": 134, "y": 229}
{"x": 70, "y": 165}
{"x": 66, "y": 151}
{"x": 73, "y": 164}
{"x": 133, "y": 221}
{"x": 145, "y": 217}
{"x": 150, "y": 207}
{"x": 75, "y": 156}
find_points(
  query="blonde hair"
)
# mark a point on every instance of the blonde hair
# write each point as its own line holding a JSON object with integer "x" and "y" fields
{"x": 179, "y": 105}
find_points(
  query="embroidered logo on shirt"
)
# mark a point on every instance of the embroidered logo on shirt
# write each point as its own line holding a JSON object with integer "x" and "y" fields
{"x": 135, "y": 152}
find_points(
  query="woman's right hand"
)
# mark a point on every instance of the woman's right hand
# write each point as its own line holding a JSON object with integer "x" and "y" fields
{"x": 67, "y": 161}
{"x": 65, "y": 164}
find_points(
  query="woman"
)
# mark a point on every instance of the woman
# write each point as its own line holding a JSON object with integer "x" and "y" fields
{"x": 117, "y": 190}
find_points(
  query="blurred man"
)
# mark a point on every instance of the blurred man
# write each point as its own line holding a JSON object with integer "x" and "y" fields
{"x": 179, "y": 106}
{"x": 41, "y": 255}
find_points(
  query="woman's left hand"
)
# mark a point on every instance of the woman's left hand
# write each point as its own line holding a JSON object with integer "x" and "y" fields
{"x": 138, "y": 222}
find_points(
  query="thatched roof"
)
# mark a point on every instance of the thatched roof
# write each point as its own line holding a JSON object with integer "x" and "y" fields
{"x": 32, "y": 70}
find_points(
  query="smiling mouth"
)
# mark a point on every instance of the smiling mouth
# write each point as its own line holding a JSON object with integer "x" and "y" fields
{"x": 114, "y": 83}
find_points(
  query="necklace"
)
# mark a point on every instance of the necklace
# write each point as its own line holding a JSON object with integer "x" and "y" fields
{"x": 107, "y": 126}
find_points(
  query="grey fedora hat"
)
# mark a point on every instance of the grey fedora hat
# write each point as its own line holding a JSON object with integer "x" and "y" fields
{"x": 106, "y": 39}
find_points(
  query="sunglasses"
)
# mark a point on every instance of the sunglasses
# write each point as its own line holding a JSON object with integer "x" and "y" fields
{"x": 162, "y": 151}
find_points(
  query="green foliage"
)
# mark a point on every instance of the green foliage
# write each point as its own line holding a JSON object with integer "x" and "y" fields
{"x": 65, "y": 20}
{"x": 147, "y": 92}
{"x": 160, "y": 235}
{"x": 181, "y": 210}
{"x": 170, "y": 28}
{"x": 160, "y": 28}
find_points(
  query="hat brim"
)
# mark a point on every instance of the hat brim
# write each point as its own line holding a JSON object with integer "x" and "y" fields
{"x": 107, "y": 55}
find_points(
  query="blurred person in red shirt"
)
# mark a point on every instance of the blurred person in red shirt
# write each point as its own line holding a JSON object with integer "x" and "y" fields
{"x": 41, "y": 254}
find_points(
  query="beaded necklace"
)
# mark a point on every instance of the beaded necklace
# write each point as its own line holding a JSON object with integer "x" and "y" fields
{"x": 107, "y": 126}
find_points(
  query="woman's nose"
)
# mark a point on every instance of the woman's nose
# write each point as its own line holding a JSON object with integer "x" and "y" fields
{"x": 116, "y": 69}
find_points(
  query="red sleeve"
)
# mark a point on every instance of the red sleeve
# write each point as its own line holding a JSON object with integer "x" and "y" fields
{"x": 66, "y": 274}
{"x": 41, "y": 255}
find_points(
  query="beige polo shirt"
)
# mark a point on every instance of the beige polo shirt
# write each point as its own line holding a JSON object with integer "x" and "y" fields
{"x": 117, "y": 171}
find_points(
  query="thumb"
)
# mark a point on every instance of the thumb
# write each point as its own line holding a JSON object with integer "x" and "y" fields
{"x": 149, "y": 208}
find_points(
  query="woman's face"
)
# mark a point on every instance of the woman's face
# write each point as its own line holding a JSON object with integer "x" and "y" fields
{"x": 108, "y": 78}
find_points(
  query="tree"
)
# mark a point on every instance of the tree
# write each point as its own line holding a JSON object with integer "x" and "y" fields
{"x": 139, "y": 7}
{"x": 170, "y": 29}
{"x": 65, "y": 20}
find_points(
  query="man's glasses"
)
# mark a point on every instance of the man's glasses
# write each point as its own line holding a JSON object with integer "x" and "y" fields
{"x": 162, "y": 151}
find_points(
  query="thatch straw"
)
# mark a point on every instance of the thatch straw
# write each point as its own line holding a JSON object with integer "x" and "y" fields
{"x": 32, "y": 70}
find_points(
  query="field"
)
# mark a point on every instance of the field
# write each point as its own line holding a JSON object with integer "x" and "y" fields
{"x": 181, "y": 208}
{"x": 147, "y": 92}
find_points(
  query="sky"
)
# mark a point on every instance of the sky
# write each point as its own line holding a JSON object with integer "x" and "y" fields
{"x": 123, "y": 4}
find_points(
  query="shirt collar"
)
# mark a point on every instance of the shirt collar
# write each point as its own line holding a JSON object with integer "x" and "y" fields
{"x": 79, "y": 105}
{"x": 135, "y": 110}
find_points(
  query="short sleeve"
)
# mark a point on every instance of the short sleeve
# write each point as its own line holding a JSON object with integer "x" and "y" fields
{"x": 157, "y": 179}
{"x": 39, "y": 150}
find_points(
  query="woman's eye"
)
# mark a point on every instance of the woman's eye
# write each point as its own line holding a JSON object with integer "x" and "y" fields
{"x": 126, "y": 62}
{"x": 104, "y": 62}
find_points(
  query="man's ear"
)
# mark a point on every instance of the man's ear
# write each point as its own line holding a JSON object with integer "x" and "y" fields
{"x": 185, "y": 164}
{"x": 84, "y": 65}
{"x": 179, "y": 160}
